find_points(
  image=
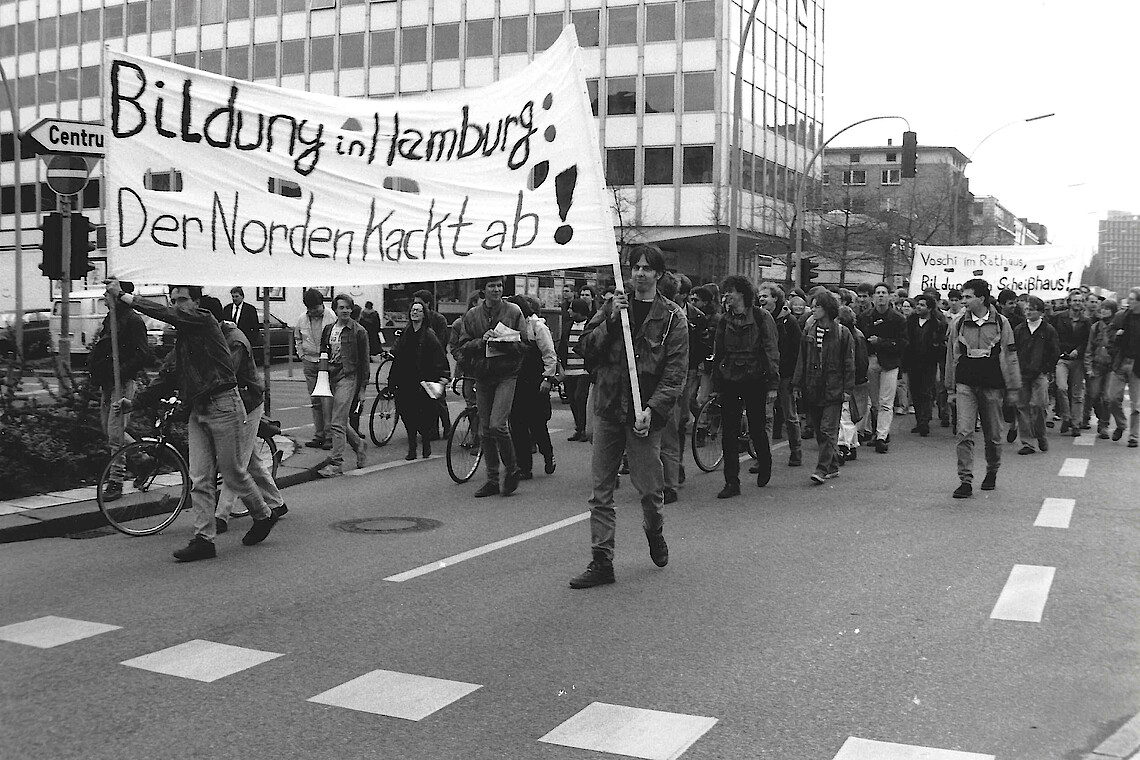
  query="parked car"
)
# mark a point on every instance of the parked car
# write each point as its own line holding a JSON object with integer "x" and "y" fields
{"x": 280, "y": 341}
{"x": 37, "y": 333}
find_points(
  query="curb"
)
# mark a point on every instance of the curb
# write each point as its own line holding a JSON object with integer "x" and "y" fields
{"x": 1124, "y": 743}
{"x": 55, "y": 522}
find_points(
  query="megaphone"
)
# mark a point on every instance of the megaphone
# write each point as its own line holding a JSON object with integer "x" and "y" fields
{"x": 322, "y": 390}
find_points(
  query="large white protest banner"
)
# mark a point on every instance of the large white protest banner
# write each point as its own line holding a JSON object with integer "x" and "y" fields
{"x": 1045, "y": 271}
{"x": 212, "y": 180}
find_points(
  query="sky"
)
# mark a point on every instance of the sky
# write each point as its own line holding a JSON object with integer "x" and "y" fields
{"x": 958, "y": 71}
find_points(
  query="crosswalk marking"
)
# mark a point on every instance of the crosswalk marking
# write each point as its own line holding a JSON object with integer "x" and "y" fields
{"x": 868, "y": 749}
{"x": 457, "y": 558}
{"x": 1025, "y": 593}
{"x": 1074, "y": 468}
{"x": 1085, "y": 440}
{"x": 630, "y": 731}
{"x": 1055, "y": 513}
{"x": 51, "y": 631}
{"x": 398, "y": 695}
{"x": 200, "y": 660}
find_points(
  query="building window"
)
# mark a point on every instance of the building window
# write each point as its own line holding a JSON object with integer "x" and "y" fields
{"x": 92, "y": 26}
{"x": 661, "y": 22}
{"x": 185, "y": 14}
{"x": 547, "y": 27}
{"x": 445, "y": 42}
{"x": 697, "y": 165}
{"x": 480, "y": 38}
{"x": 622, "y": 25}
{"x": 621, "y": 96}
{"x": 263, "y": 7}
{"x": 292, "y": 57}
{"x": 352, "y": 51}
{"x": 659, "y": 166}
{"x": 853, "y": 158}
{"x": 892, "y": 158}
{"x": 659, "y": 94}
{"x": 265, "y": 61}
{"x": 69, "y": 29}
{"x": 382, "y": 48}
{"x": 69, "y": 84}
{"x": 413, "y": 45}
{"x": 322, "y": 5}
{"x": 47, "y": 87}
{"x": 513, "y": 35}
{"x": 89, "y": 79}
{"x": 212, "y": 11}
{"x": 619, "y": 166}
{"x": 113, "y": 21}
{"x": 289, "y": 6}
{"x": 322, "y": 52}
{"x": 211, "y": 60}
{"x": 700, "y": 20}
{"x": 858, "y": 177}
{"x": 48, "y": 37}
{"x": 237, "y": 62}
{"x": 890, "y": 176}
{"x": 699, "y": 92}
{"x": 237, "y": 10}
{"x": 592, "y": 92}
{"x": 586, "y": 24}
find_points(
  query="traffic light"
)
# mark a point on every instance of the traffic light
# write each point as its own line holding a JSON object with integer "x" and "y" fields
{"x": 809, "y": 270}
{"x": 81, "y": 245}
{"x": 909, "y": 155}
{"x": 52, "y": 246}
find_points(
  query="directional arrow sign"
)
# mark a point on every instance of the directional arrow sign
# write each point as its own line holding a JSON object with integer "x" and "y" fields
{"x": 62, "y": 136}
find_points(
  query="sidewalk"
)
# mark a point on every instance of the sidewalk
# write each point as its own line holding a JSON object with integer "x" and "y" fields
{"x": 57, "y": 514}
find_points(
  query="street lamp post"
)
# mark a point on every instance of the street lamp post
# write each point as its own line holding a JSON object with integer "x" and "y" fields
{"x": 17, "y": 156}
{"x": 737, "y": 167}
{"x": 798, "y": 225}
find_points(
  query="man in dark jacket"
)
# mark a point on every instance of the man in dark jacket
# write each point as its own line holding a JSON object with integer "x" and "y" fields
{"x": 494, "y": 364}
{"x": 1037, "y": 353}
{"x": 925, "y": 349}
{"x": 661, "y": 351}
{"x": 134, "y": 356}
{"x": 201, "y": 370}
{"x": 1073, "y": 328}
{"x": 885, "y": 329}
{"x": 788, "y": 332}
{"x": 746, "y": 374}
{"x": 244, "y": 315}
{"x": 1125, "y": 336}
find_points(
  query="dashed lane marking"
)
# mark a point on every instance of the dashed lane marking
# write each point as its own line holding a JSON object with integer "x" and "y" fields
{"x": 868, "y": 749}
{"x": 471, "y": 554}
{"x": 398, "y": 695}
{"x": 200, "y": 660}
{"x": 51, "y": 631}
{"x": 1055, "y": 513}
{"x": 630, "y": 731}
{"x": 1074, "y": 468}
{"x": 1085, "y": 440}
{"x": 1025, "y": 593}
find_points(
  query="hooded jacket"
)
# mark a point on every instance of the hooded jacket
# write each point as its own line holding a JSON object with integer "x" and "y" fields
{"x": 993, "y": 334}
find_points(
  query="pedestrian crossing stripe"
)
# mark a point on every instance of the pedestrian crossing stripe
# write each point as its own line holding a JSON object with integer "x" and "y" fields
{"x": 630, "y": 731}
{"x": 1074, "y": 468}
{"x": 868, "y": 749}
{"x": 1024, "y": 595}
{"x": 51, "y": 631}
{"x": 397, "y": 695}
{"x": 1055, "y": 513}
{"x": 199, "y": 660}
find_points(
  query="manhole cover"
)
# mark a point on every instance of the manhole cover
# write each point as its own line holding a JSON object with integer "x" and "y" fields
{"x": 387, "y": 525}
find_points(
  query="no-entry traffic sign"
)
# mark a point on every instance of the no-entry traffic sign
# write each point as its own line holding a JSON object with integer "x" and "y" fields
{"x": 67, "y": 175}
{"x": 63, "y": 136}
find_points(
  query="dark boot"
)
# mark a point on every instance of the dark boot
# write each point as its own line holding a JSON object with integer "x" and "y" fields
{"x": 426, "y": 448}
{"x": 411, "y": 448}
{"x": 600, "y": 571}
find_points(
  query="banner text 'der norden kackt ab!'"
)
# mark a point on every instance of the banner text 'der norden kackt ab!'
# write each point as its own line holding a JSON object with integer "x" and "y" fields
{"x": 262, "y": 184}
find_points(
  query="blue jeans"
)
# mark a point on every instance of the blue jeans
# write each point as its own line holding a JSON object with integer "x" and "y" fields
{"x": 825, "y": 420}
{"x": 339, "y": 431}
{"x": 215, "y": 433}
{"x": 1070, "y": 374}
{"x": 974, "y": 403}
{"x": 259, "y": 469}
{"x": 1031, "y": 402}
{"x": 115, "y": 425}
{"x": 611, "y": 439}
{"x": 495, "y": 400}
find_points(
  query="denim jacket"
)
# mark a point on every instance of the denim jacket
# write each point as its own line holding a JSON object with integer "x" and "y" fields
{"x": 353, "y": 351}
{"x": 661, "y": 359}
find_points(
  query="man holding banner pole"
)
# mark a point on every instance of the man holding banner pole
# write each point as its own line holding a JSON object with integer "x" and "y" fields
{"x": 638, "y": 351}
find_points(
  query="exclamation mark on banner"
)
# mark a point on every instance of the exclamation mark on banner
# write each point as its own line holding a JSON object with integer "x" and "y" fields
{"x": 564, "y": 185}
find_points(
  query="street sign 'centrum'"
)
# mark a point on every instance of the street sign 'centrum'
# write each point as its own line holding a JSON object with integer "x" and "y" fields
{"x": 67, "y": 175}
{"x": 62, "y": 136}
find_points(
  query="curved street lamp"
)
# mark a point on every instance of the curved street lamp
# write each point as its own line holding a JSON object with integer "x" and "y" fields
{"x": 17, "y": 150}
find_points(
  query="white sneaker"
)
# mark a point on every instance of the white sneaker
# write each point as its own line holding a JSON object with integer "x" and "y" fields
{"x": 329, "y": 471}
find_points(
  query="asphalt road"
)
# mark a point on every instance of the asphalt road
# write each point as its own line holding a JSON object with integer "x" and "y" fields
{"x": 796, "y": 616}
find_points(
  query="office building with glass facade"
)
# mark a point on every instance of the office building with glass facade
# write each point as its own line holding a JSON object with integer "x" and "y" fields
{"x": 659, "y": 73}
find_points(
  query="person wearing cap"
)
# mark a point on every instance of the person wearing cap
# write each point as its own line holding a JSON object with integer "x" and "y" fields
{"x": 307, "y": 330}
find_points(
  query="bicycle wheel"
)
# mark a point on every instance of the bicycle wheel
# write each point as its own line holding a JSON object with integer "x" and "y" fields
{"x": 266, "y": 450}
{"x": 383, "y": 369}
{"x": 706, "y": 443}
{"x": 159, "y": 491}
{"x": 464, "y": 449}
{"x": 382, "y": 421}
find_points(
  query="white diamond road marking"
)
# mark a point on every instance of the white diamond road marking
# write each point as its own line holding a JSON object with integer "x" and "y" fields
{"x": 1025, "y": 593}
{"x": 397, "y": 695}
{"x": 199, "y": 660}
{"x": 868, "y": 749}
{"x": 1055, "y": 513}
{"x": 50, "y": 631}
{"x": 630, "y": 731}
{"x": 1074, "y": 468}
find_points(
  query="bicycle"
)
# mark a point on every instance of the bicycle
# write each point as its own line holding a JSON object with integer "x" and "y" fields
{"x": 157, "y": 465}
{"x": 464, "y": 447}
{"x": 383, "y": 369}
{"x": 708, "y": 451}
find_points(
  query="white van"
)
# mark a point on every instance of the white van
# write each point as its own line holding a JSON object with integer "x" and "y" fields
{"x": 87, "y": 312}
